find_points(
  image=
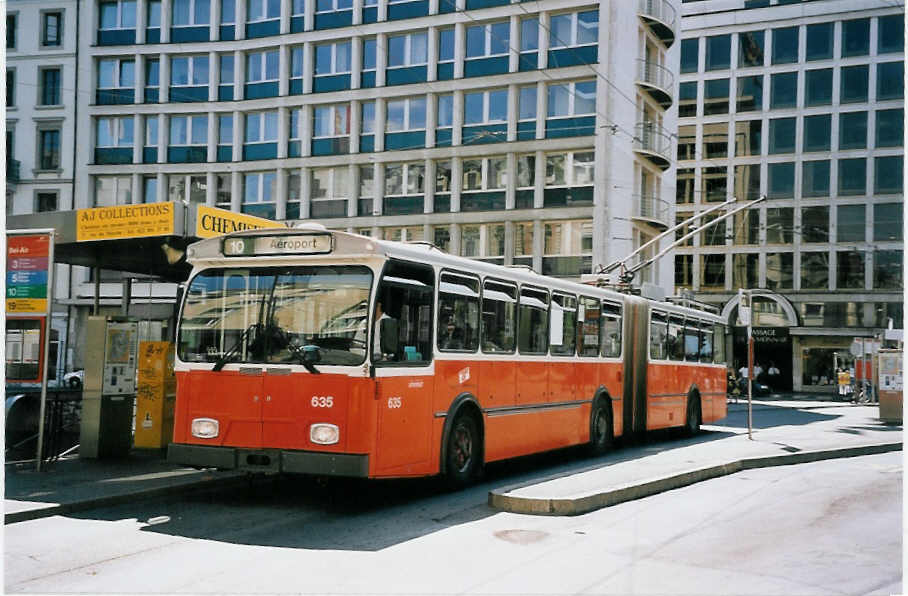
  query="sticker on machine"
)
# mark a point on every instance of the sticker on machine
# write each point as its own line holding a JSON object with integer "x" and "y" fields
{"x": 464, "y": 375}
{"x": 147, "y": 422}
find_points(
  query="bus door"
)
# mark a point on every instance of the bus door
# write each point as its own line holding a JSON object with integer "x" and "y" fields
{"x": 636, "y": 358}
{"x": 532, "y": 339}
{"x": 404, "y": 375}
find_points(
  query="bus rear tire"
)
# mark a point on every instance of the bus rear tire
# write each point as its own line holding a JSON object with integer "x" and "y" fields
{"x": 602, "y": 434}
{"x": 694, "y": 416}
{"x": 462, "y": 452}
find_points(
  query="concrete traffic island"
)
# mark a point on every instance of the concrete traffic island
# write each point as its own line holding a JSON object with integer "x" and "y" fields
{"x": 785, "y": 433}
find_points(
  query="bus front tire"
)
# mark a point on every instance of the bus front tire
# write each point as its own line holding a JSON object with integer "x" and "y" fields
{"x": 601, "y": 429}
{"x": 694, "y": 416}
{"x": 462, "y": 452}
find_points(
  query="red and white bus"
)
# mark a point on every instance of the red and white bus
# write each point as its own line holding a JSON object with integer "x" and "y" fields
{"x": 284, "y": 363}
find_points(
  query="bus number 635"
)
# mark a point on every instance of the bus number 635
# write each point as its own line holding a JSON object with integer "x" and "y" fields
{"x": 322, "y": 401}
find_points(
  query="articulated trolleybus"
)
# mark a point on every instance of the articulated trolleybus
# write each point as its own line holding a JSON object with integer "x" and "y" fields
{"x": 308, "y": 351}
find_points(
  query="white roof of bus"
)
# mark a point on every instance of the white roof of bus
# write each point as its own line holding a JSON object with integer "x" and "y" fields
{"x": 348, "y": 244}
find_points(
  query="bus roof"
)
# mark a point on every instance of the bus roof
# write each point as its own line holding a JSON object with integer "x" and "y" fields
{"x": 210, "y": 253}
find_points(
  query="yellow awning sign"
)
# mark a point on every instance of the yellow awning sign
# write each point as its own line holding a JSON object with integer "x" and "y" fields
{"x": 211, "y": 222}
{"x": 125, "y": 221}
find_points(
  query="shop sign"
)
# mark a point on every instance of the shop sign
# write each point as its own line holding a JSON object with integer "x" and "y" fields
{"x": 125, "y": 221}
{"x": 771, "y": 335}
{"x": 211, "y": 222}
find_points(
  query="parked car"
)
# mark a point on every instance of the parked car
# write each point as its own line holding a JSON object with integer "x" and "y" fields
{"x": 74, "y": 379}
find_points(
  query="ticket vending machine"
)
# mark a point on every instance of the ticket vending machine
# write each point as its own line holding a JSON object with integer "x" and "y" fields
{"x": 108, "y": 396}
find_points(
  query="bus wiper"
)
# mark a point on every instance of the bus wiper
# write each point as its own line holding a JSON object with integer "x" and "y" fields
{"x": 307, "y": 355}
{"x": 229, "y": 354}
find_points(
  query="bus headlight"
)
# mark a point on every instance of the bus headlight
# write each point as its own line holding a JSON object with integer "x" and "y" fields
{"x": 204, "y": 428}
{"x": 324, "y": 434}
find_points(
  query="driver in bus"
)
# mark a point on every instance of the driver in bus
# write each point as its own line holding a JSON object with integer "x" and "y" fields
{"x": 377, "y": 355}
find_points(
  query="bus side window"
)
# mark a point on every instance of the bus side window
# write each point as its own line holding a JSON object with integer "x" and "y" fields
{"x": 458, "y": 312}
{"x": 706, "y": 343}
{"x": 589, "y": 326}
{"x": 533, "y": 323}
{"x": 657, "y": 332}
{"x": 691, "y": 340}
{"x": 406, "y": 292}
{"x": 499, "y": 317}
{"x": 611, "y": 330}
{"x": 719, "y": 344}
{"x": 562, "y": 327}
{"x": 675, "y": 340}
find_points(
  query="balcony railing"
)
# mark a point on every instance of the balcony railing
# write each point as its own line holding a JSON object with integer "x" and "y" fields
{"x": 657, "y": 80}
{"x": 12, "y": 171}
{"x": 652, "y": 209}
{"x": 654, "y": 143}
{"x": 660, "y": 16}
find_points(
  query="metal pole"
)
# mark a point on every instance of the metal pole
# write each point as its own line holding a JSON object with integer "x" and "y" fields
{"x": 750, "y": 369}
{"x": 96, "y": 307}
{"x": 46, "y": 350}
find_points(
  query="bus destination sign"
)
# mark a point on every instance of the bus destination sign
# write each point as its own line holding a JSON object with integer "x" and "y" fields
{"x": 307, "y": 244}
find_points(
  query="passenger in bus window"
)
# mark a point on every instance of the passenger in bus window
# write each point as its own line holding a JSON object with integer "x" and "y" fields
{"x": 451, "y": 336}
{"x": 377, "y": 354}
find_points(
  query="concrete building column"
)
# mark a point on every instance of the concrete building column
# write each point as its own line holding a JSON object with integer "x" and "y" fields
{"x": 510, "y": 196}
{"x": 431, "y": 118}
{"x": 138, "y": 138}
{"x": 236, "y": 191}
{"x": 432, "y": 50}
{"x": 138, "y": 83}
{"x": 381, "y": 116}
{"x": 539, "y": 184}
{"x": 163, "y": 136}
{"x": 239, "y": 130}
{"x": 538, "y": 245}
{"x": 457, "y": 120}
{"x": 212, "y": 137}
{"x": 141, "y": 15}
{"x": 163, "y": 78}
{"x": 239, "y": 75}
{"x": 356, "y": 115}
{"x": 305, "y": 193}
{"x": 308, "y": 65}
{"x": 353, "y": 199}
{"x": 211, "y": 188}
{"x": 306, "y": 130}
{"x": 541, "y": 109}
{"x": 166, "y": 12}
{"x": 381, "y": 58}
{"x": 281, "y": 204}
{"x": 357, "y": 12}
{"x": 509, "y": 243}
{"x": 459, "y": 48}
{"x": 285, "y": 17}
{"x": 513, "y": 112}
{"x": 378, "y": 187}
{"x": 136, "y": 188}
{"x": 429, "y": 206}
{"x": 456, "y": 183}
{"x": 514, "y": 50}
{"x": 214, "y": 76}
{"x": 544, "y": 24}
{"x": 214, "y": 27}
{"x": 239, "y": 28}
{"x": 283, "y": 131}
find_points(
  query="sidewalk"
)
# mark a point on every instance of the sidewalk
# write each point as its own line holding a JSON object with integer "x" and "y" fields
{"x": 787, "y": 431}
{"x": 75, "y": 484}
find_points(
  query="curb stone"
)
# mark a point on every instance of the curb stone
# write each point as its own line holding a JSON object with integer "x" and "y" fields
{"x": 500, "y": 499}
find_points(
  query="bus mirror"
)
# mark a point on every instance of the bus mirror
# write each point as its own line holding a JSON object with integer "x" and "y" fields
{"x": 388, "y": 332}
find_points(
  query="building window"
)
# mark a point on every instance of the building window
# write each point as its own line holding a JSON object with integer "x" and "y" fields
{"x": 890, "y": 127}
{"x": 566, "y": 247}
{"x": 566, "y": 99}
{"x": 887, "y": 174}
{"x": 785, "y": 45}
{"x": 887, "y": 222}
{"x": 782, "y": 135}
{"x": 852, "y": 176}
{"x": 332, "y": 58}
{"x": 485, "y": 107}
{"x": 407, "y": 50}
{"x": 818, "y": 87}
{"x": 849, "y": 269}
{"x": 225, "y": 69}
{"x": 779, "y": 225}
{"x": 188, "y": 71}
{"x": 712, "y": 271}
{"x": 330, "y": 183}
{"x": 46, "y": 201}
{"x": 814, "y": 271}
{"x": 750, "y": 49}
{"x": 152, "y": 73}
{"x": 296, "y": 60}
{"x": 116, "y": 74}
{"x": 853, "y": 130}
{"x": 264, "y": 10}
{"x": 115, "y": 132}
{"x": 443, "y": 176}
{"x": 263, "y": 66}
{"x": 784, "y": 90}
{"x": 49, "y": 149}
{"x": 113, "y": 190}
{"x": 684, "y": 191}
{"x": 410, "y": 234}
{"x": 490, "y": 39}
{"x": 189, "y": 130}
{"x": 402, "y": 179}
{"x": 690, "y": 55}
{"x": 331, "y": 121}
{"x": 687, "y": 99}
{"x": 715, "y": 140}
{"x": 51, "y": 29}
{"x": 333, "y": 5}
{"x": 748, "y": 137}
{"x": 574, "y": 29}
{"x": 446, "y": 45}
{"x": 891, "y": 34}
{"x": 687, "y": 143}
{"x": 149, "y": 189}
{"x": 485, "y": 174}
{"x": 781, "y": 180}
{"x": 684, "y": 271}
{"x": 750, "y": 93}
{"x": 854, "y": 84}
{"x": 529, "y": 34}
{"x": 151, "y": 131}
{"x": 117, "y": 15}
{"x": 11, "y": 22}
{"x": 718, "y": 52}
{"x": 154, "y": 14}
{"x": 747, "y": 181}
{"x": 819, "y": 41}
{"x": 406, "y": 114}
{"x": 887, "y": 270}
{"x": 715, "y": 97}
{"x": 223, "y": 194}
{"x": 259, "y": 193}
{"x": 890, "y": 80}
{"x": 177, "y": 185}
{"x": 780, "y": 271}
{"x": 855, "y": 37}
{"x": 851, "y": 223}
{"x": 526, "y": 103}
{"x": 191, "y": 13}
{"x": 714, "y": 181}
{"x": 747, "y": 227}
{"x": 815, "y": 224}
{"x": 261, "y": 127}
{"x": 745, "y": 270}
{"x": 50, "y": 87}
{"x": 817, "y": 132}
{"x": 569, "y": 169}
{"x": 369, "y": 48}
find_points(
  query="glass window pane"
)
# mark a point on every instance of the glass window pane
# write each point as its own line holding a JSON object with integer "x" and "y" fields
{"x": 890, "y": 127}
{"x": 554, "y": 170}
{"x": 200, "y": 70}
{"x": 585, "y": 97}
{"x": 887, "y": 269}
{"x": 178, "y": 130}
{"x": 418, "y": 48}
{"x": 527, "y": 103}
{"x": 851, "y": 223}
{"x": 785, "y": 45}
{"x": 849, "y": 269}
{"x": 748, "y": 137}
{"x": 689, "y": 54}
{"x": 784, "y": 91}
{"x": 368, "y": 124}
{"x": 417, "y": 114}
{"x": 856, "y": 37}
{"x": 323, "y": 59}
{"x": 529, "y": 34}
{"x": 179, "y": 71}
{"x": 750, "y": 93}
{"x": 445, "y": 110}
{"x": 750, "y": 49}
{"x": 472, "y": 174}
{"x": 814, "y": 271}
{"x": 476, "y": 41}
{"x": 782, "y": 135}
{"x": 852, "y": 176}
{"x": 891, "y": 34}
{"x": 817, "y": 132}
{"x": 890, "y": 80}
{"x": 394, "y": 179}
{"x": 560, "y": 31}
{"x": 854, "y": 84}
{"x": 819, "y": 41}
{"x": 199, "y": 130}
{"x": 397, "y": 50}
{"x": 715, "y": 97}
{"x": 781, "y": 180}
{"x": 718, "y": 52}
{"x": 887, "y": 222}
{"x": 446, "y": 45}
{"x": 559, "y": 100}
{"x": 853, "y": 130}
{"x": 815, "y": 179}
{"x": 395, "y": 118}
{"x": 588, "y": 27}
{"x": 779, "y": 271}
{"x": 127, "y": 73}
{"x": 322, "y": 119}
{"x": 253, "y": 128}
{"x": 472, "y": 108}
{"x": 270, "y": 126}
{"x": 818, "y": 87}
{"x": 887, "y": 176}
{"x": 342, "y": 57}
{"x": 499, "y": 36}
{"x": 225, "y": 129}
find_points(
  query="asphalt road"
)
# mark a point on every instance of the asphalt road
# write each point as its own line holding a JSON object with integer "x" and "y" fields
{"x": 831, "y": 527}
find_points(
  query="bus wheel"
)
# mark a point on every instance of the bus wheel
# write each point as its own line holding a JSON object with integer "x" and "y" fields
{"x": 462, "y": 452}
{"x": 693, "y": 415}
{"x": 601, "y": 430}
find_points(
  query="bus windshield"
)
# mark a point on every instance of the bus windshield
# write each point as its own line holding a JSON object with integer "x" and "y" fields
{"x": 267, "y": 314}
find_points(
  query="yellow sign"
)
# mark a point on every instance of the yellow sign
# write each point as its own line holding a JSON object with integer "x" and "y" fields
{"x": 26, "y": 305}
{"x": 125, "y": 221}
{"x": 211, "y": 222}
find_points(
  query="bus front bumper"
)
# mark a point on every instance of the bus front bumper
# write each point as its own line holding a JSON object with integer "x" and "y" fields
{"x": 269, "y": 460}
